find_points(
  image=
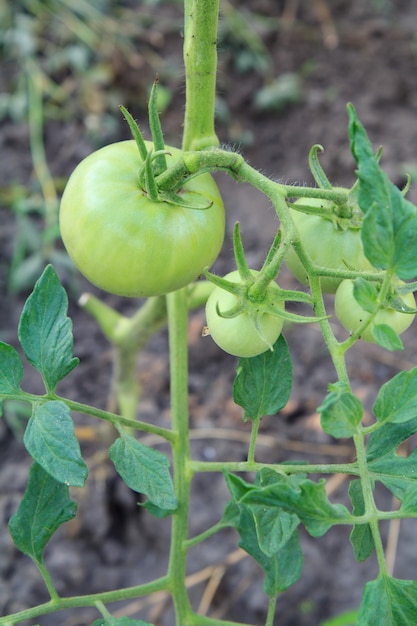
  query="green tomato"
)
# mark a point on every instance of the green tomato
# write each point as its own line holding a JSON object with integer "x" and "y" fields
{"x": 326, "y": 245}
{"x": 351, "y": 315}
{"x": 238, "y": 335}
{"x": 128, "y": 245}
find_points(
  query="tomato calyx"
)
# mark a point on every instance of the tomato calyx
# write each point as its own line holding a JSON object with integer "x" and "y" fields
{"x": 257, "y": 294}
{"x": 154, "y": 163}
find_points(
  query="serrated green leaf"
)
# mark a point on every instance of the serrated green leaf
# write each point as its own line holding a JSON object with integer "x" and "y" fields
{"x": 340, "y": 413}
{"x": 389, "y": 437}
{"x": 396, "y": 472}
{"x": 281, "y": 569}
{"x": 44, "y": 507}
{"x": 11, "y": 369}
{"x": 263, "y": 383}
{"x": 50, "y": 440}
{"x": 274, "y": 528}
{"x": 389, "y": 228}
{"x": 45, "y": 331}
{"x": 307, "y": 499}
{"x": 361, "y": 536}
{"x": 388, "y": 601}
{"x": 397, "y": 399}
{"x": 144, "y": 470}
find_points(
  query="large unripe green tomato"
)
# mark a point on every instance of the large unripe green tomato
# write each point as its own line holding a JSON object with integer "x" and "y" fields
{"x": 326, "y": 246}
{"x": 238, "y": 335}
{"x": 351, "y": 315}
{"x": 128, "y": 245}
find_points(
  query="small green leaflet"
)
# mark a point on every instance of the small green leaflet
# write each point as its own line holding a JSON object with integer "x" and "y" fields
{"x": 361, "y": 535}
{"x": 283, "y": 568}
{"x": 397, "y": 399}
{"x": 280, "y": 557}
{"x": 397, "y": 473}
{"x": 144, "y": 470}
{"x": 50, "y": 440}
{"x": 389, "y": 229}
{"x": 11, "y": 369}
{"x": 44, "y": 507}
{"x": 388, "y": 601}
{"x": 389, "y": 437}
{"x": 341, "y": 412}
{"x": 45, "y": 331}
{"x": 263, "y": 383}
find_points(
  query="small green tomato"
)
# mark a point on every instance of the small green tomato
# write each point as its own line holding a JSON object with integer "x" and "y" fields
{"x": 238, "y": 335}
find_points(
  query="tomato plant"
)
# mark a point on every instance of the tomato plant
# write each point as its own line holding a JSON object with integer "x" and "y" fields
{"x": 327, "y": 244}
{"x": 127, "y": 244}
{"x": 351, "y": 314}
{"x": 239, "y": 335}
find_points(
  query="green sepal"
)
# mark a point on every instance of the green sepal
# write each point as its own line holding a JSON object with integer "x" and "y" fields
{"x": 156, "y": 130}
{"x": 137, "y": 135}
{"x": 316, "y": 168}
{"x": 185, "y": 199}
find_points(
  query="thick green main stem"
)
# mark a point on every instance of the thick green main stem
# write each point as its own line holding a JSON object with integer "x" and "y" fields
{"x": 200, "y": 61}
{"x": 177, "y": 327}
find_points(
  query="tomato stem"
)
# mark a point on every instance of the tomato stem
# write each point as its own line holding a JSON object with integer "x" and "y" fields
{"x": 200, "y": 61}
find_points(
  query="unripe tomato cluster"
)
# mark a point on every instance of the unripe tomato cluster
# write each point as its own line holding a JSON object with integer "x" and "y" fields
{"x": 334, "y": 248}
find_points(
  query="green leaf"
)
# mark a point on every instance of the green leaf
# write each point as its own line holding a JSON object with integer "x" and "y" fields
{"x": 120, "y": 621}
{"x": 409, "y": 500}
{"x": 341, "y": 413}
{"x": 361, "y": 535}
{"x": 45, "y": 331}
{"x": 144, "y": 470}
{"x": 44, "y": 507}
{"x": 386, "y": 337}
{"x": 389, "y": 437}
{"x": 50, "y": 440}
{"x": 366, "y": 294}
{"x": 396, "y": 472}
{"x": 397, "y": 399}
{"x": 283, "y": 568}
{"x": 389, "y": 228}
{"x": 307, "y": 499}
{"x": 388, "y": 601}
{"x": 274, "y": 528}
{"x": 11, "y": 369}
{"x": 263, "y": 383}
